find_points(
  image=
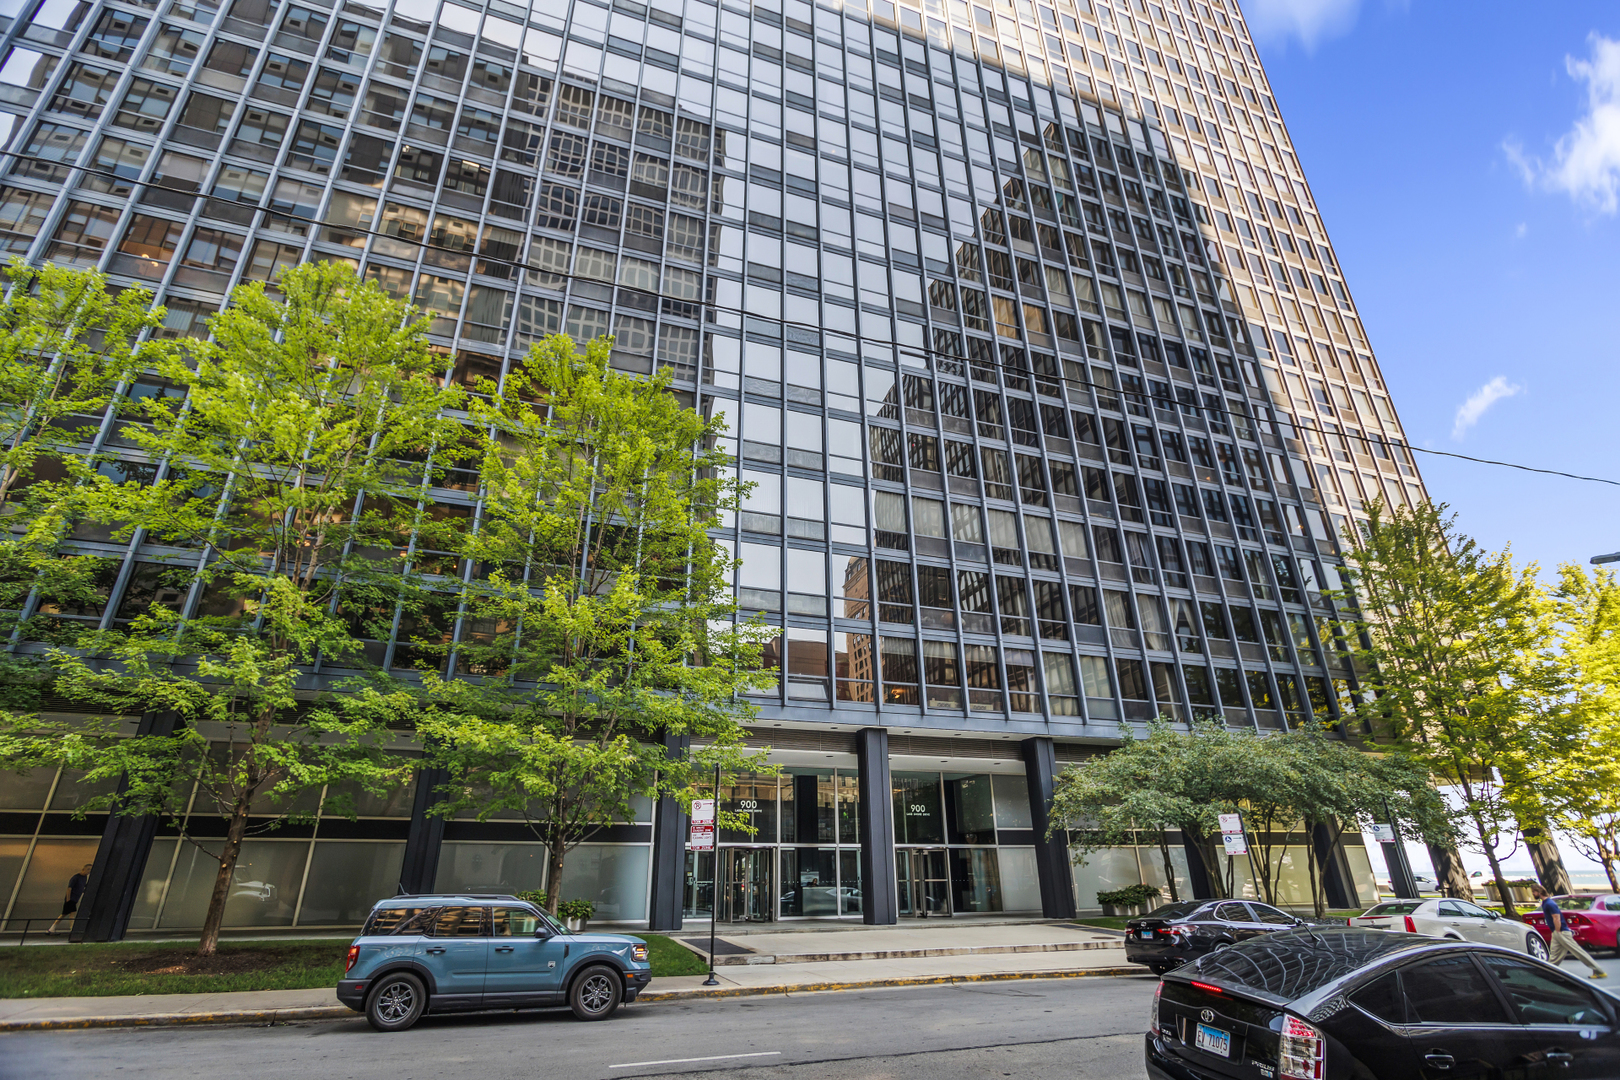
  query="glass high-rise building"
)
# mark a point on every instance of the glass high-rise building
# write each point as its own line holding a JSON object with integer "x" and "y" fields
{"x": 1027, "y": 329}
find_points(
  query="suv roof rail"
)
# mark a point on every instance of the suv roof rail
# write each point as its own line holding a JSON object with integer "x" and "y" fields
{"x": 453, "y": 895}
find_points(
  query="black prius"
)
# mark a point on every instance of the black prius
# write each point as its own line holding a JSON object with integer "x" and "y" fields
{"x": 1344, "y": 1004}
{"x": 1169, "y": 936}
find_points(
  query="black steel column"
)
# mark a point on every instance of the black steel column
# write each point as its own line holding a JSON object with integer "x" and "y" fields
{"x": 1051, "y": 854}
{"x": 668, "y": 852}
{"x": 1337, "y": 884}
{"x": 880, "y": 904}
{"x": 1400, "y": 868}
{"x": 419, "y": 870}
{"x": 120, "y": 863}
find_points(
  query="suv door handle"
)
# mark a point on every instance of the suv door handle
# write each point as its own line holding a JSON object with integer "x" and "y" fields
{"x": 504, "y": 948}
{"x": 1439, "y": 1059}
{"x": 435, "y": 950}
{"x": 1560, "y": 1057}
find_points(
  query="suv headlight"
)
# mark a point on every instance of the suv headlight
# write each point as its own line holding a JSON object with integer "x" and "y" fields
{"x": 638, "y": 953}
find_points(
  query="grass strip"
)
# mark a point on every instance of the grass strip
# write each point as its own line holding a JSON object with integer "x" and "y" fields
{"x": 126, "y": 968}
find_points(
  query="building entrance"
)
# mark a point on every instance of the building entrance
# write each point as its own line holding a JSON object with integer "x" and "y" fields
{"x": 924, "y": 881}
{"x": 747, "y": 875}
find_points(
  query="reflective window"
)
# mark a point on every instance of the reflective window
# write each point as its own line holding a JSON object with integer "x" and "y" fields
{"x": 1540, "y": 996}
{"x": 1451, "y": 990}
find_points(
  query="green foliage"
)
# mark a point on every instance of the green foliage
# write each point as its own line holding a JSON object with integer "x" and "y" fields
{"x": 1456, "y": 643}
{"x": 576, "y": 909}
{"x": 1284, "y": 784}
{"x": 600, "y": 638}
{"x": 1129, "y": 896}
{"x": 537, "y": 897}
{"x": 66, "y": 347}
{"x": 293, "y": 457}
{"x": 1575, "y": 765}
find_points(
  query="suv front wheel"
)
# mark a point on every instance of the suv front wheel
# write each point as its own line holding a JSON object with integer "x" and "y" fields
{"x": 396, "y": 1002}
{"x": 596, "y": 994}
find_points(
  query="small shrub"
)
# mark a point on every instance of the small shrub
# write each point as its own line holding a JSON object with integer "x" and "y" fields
{"x": 576, "y": 909}
{"x": 537, "y": 897}
{"x": 1129, "y": 896}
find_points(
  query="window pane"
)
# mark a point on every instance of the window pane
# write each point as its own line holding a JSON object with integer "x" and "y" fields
{"x": 1451, "y": 990}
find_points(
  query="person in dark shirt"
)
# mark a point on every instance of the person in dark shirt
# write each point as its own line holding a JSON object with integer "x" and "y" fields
{"x": 1563, "y": 941}
{"x": 75, "y": 892}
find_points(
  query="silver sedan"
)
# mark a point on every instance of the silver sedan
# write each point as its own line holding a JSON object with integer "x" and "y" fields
{"x": 1456, "y": 919}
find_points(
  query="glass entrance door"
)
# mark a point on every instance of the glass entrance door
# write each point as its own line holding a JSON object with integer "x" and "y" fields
{"x": 924, "y": 881}
{"x": 746, "y": 877}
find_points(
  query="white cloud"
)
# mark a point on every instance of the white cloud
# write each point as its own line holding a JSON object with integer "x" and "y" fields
{"x": 1469, "y": 412}
{"x": 1521, "y": 230}
{"x": 1310, "y": 21}
{"x": 1586, "y": 160}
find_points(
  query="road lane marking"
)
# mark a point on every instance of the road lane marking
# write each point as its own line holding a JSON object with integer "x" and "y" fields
{"x": 688, "y": 1061}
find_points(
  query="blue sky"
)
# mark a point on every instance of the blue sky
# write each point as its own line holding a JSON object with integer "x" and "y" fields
{"x": 1465, "y": 159}
{"x": 1482, "y": 258}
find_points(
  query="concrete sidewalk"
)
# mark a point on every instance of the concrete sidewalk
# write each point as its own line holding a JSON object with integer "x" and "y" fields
{"x": 791, "y": 944}
{"x": 911, "y": 956}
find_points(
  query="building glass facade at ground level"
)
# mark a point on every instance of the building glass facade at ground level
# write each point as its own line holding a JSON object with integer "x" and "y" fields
{"x": 1026, "y": 327}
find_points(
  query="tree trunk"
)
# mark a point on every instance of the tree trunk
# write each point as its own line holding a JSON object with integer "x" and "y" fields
{"x": 1449, "y": 873}
{"x": 1548, "y": 861}
{"x": 1169, "y": 870}
{"x": 556, "y": 851}
{"x": 1314, "y": 870}
{"x": 1496, "y": 869}
{"x": 222, "y": 881}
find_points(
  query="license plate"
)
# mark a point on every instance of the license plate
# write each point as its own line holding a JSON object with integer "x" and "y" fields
{"x": 1145, "y": 935}
{"x": 1214, "y": 1040}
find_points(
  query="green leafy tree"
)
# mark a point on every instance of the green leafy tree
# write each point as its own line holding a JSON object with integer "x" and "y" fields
{"x": 1455, "y": 641}
{"x": 1338, "y": 786}
{"x": 597, "y": 635}
{"x": 1576, "y": 770}
{"x": 1171, "y": 779}
{"x": 294, "y": 465}
{"x": 66, "y": 345}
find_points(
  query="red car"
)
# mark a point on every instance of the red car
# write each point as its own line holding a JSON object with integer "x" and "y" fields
{"x": 1594, "y": 918}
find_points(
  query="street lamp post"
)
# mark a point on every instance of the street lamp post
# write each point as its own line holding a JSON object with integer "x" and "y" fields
{"x": 1599, "y": 560}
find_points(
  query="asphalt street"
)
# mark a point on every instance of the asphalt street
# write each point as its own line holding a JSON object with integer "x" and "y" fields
{"x": 1076, "y": 1029}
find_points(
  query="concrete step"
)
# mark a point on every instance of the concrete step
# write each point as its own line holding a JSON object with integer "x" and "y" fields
{"x": 733, "y": 958}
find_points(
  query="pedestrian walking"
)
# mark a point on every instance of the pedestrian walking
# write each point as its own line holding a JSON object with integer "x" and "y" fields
{"x": 75, "y": 891}
{"x": 1563, "y": 942}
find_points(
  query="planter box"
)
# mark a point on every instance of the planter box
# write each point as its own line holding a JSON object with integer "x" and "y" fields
{"x": 1124, "y": 912}
{"x": 576, "y": 926}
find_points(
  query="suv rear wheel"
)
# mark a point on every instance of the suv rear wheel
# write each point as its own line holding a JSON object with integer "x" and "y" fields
{"x": 396, "y": 1002}
{"x": 596, "y": 994}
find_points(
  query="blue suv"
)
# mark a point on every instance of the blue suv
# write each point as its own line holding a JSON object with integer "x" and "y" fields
{"x": 419, "y": 954}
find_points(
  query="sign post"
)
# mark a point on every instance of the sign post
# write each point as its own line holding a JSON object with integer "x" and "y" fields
{"x": 702, "y": 838}
{"x": 1236, "y": 842}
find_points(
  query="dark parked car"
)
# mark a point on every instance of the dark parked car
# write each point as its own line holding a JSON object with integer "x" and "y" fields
{"x": 1168, "y": 937}
{"x": 419, "y": 954}
{"x": 1328, "y": 1003}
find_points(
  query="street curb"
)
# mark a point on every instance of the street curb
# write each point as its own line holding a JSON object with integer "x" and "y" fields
{"x": 241, "y": 1016}
{"x": 651, "y": 997}
{"x": 654, "y": 996}
{"x": 756, "y": 959}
